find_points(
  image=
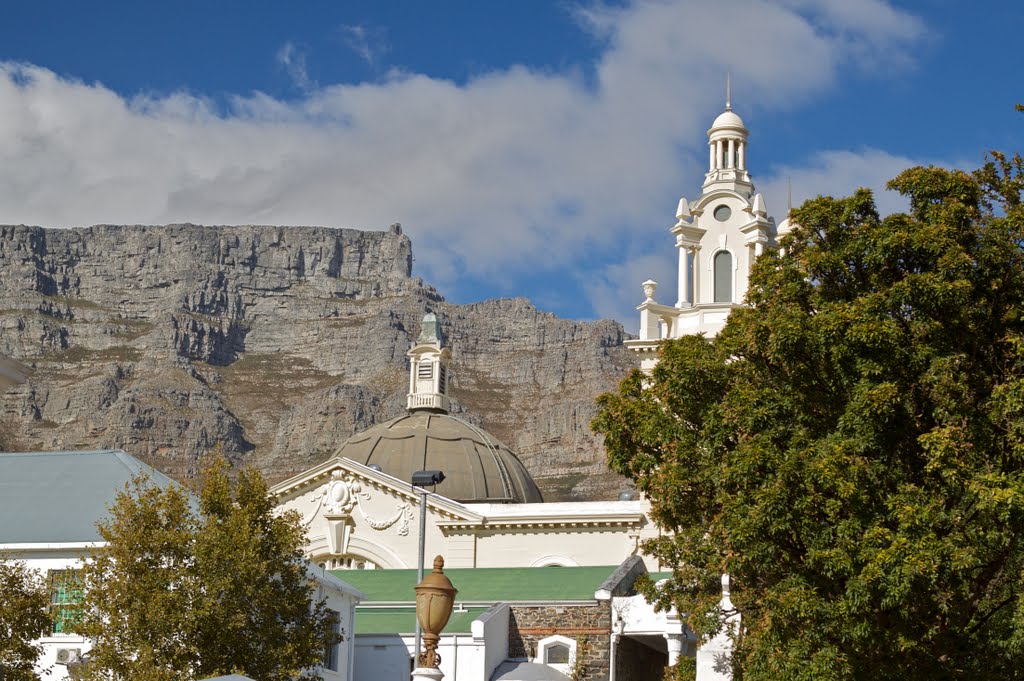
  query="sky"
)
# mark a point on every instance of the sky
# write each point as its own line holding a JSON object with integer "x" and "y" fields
{"x": 528, "y": 148}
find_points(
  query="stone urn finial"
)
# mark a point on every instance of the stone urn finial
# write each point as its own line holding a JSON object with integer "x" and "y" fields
{"x": 435, "y": 597}
{"x": 650, "y": 286}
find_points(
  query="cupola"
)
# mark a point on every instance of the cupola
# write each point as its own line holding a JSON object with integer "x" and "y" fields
{"x": 727, "y": 158}
{"x": 428, "y": 369}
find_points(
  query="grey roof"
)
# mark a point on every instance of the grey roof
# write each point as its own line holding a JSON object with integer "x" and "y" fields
{"x": 477, "y": 467}
{"x": 57, "y": 497}
{"x": 526, "y": 671}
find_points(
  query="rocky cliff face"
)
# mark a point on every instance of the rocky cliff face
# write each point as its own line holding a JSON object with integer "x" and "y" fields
{"x": 276, "y": 343}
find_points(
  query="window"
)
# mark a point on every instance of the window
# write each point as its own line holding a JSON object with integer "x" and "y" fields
{"x": 331, "y": 652}
{"x": 441, "y": 379}
{"x": 556, "y": 653}
{"x": 723, "y": 277}
{"x": 425, "y": 370}
{"x": 722, "y": 213}
{"x": 65, "y": 599}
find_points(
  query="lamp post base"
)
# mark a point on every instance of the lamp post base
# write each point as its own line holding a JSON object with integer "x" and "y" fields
{"x": 427, "y": 674}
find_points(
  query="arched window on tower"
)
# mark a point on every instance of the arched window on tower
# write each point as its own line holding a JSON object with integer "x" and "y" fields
{"x": 723, "y": 277}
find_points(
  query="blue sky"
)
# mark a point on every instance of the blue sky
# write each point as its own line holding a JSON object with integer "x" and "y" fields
{"x": 528, "y": 148}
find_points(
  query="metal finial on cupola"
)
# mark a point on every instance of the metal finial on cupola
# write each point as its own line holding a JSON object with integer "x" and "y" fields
{"x": 728, "y": 93}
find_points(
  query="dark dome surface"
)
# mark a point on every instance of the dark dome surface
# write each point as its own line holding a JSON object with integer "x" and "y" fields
{"x": 477, "y": 467}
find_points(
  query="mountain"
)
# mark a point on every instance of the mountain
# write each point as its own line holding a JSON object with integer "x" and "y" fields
{"x": 275, "y": 343}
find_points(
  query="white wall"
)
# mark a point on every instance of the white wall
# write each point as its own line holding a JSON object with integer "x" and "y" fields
{"x": 385, "y": 657}
{"x": 42, "y": 561}
{"x": 491, "y": 628}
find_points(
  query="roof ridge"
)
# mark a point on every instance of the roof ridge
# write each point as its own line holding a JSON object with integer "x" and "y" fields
{"x": 59, "y": 452}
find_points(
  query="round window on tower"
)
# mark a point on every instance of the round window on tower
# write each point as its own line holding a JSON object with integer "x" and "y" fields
{"x": 722, "y": 213}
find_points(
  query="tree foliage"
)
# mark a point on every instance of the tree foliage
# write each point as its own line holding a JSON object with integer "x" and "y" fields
{"x": 24, "y": 618}
{"x": 191, "y": 588}
{"x": 850, "y": 448}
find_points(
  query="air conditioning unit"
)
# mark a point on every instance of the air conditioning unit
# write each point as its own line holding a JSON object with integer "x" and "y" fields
{"x": 68, "y": 655}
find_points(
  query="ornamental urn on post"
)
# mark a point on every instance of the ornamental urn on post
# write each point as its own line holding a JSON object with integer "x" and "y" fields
{"x": 435, "y": 597}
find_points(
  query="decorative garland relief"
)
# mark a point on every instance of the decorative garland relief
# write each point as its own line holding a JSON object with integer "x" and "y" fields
{"x": 343, "y": 493}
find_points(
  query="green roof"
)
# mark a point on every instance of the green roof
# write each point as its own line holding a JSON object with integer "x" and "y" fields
{"x": 403, "y": 620}
{"x": 486, "y": 585}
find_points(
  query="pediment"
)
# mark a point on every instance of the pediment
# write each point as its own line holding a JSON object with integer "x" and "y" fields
{"x": 335, "y": 480}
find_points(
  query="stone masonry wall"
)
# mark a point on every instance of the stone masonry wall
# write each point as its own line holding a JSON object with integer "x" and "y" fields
{"x": 588, "y": 623}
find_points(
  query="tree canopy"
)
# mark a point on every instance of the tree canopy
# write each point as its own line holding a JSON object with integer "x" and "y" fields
{"x": 24, "y": 619}
{"x": 190, "y": 588}
{"x": 850, "y": 448}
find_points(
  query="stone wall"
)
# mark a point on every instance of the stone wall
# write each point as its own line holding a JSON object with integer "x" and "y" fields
{"x": 590, "y": 624}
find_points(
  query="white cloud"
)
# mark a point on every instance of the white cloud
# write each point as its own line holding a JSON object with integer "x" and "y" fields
{"x": 838, "y": 173}
{"x": 366, "y": 41}
{"x": 293, "y": 60}
{"x": 514, "y": 171}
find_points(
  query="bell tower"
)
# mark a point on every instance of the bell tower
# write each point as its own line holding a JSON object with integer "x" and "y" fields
{"x": 428, "y": 369}
{"x": 717, "y": 236}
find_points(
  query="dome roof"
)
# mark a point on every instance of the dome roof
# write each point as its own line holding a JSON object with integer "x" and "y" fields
{"x": 477, "y": 467}
{"x": 727, "y": 119}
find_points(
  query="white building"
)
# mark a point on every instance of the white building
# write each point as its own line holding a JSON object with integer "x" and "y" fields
{"x": 717, "y": 237}
{"x": 362, "y": 512}
{"x": 50, "y": 503}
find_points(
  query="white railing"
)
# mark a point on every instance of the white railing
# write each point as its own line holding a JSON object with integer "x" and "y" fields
{"x": 428, "y": 401}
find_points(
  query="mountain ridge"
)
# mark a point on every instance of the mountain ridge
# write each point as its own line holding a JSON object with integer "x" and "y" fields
{"x": 276, "y": 343}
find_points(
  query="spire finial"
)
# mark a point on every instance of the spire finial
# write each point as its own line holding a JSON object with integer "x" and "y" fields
{"x": 728, "y": 93}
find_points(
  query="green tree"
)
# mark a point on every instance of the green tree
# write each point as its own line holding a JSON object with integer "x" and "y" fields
{"x": 850, "y": 448}
{"x": 189, "y": 588}
{"x": 24, "y": 618}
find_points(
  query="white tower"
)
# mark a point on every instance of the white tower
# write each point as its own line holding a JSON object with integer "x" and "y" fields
{"x": 428, "y": 369}
{"x": 718, "y": 237}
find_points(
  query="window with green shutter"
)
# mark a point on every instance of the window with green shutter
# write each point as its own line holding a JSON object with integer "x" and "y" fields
{"x": 65, "y": 599}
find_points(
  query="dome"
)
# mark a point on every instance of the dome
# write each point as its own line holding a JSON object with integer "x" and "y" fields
{"x": 477, "y": 467}
{"x": 727, "y": 119}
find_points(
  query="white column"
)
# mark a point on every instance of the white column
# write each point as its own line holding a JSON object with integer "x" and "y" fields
{"x": 742, "y": 160}
{"x": 731, "y": 161}
{"x": 611, "y": 655}
{"x": 711, "y": 156}
{"x": 719, "y": 150}
{"x": 758, "y": 249}
{"x": 696, "y": 274}
{"x": 675, "y": 647}
{"x": 427, "y": 674}
{"x": 684, "y": 275}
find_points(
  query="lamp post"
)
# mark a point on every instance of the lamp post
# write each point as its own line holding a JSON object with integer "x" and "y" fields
{"x": 421, "y": 479}
{"x": 435, "y": 597}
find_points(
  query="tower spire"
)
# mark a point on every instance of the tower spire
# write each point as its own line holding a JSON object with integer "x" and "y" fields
{"x": 728, "y": 93}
